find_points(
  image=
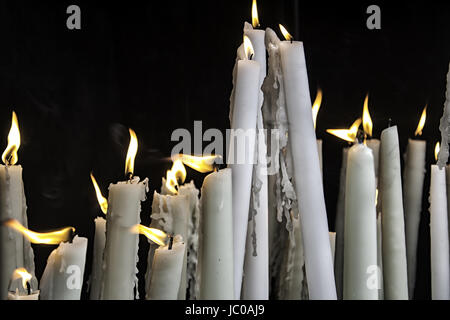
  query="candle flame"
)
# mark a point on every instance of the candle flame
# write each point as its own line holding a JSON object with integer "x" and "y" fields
{"x": 201, "y": 164}
{"x": 316, "y": 106}
{"x": 367, "y": 121}
{"x": 421, "y": 124}
{"x": 155, "y": 235}
{"x": 22, "y": 273}
{"x": 54, "y": 237}
{"x": 9, "y": 156}
{"x": 285, "y": 33}
{"x": 347, "y": 134}
{"x": 255, "y": 20}
{"x": 100, "y": 198}
{"x": 176, "y": 175}
{"x": 248, "y": 48}
{"x": 437, "y": 148}
{"x": 131, "y": 154}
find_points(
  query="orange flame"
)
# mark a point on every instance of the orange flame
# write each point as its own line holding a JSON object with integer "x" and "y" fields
{"x": 155, "y": 235}
{"x": 131, "y": 154}
{"x": 54, "y": 237}
{"x": 22, "y": 273}
{"x": 100, "y": 198}
{"x": 9, "y": 156}
{"x": 347, "y": 134}
{"x": 421, "y": 124}
{"x": 285, "y": 33}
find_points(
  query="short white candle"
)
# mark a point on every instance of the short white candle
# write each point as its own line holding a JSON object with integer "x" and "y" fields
{"x": 121, "y": 248}
{"x": 216, "y": 242}
{"x": 360, "y": 238}
{"x": 166, "y": 271}
{"x": 63, "y": 275}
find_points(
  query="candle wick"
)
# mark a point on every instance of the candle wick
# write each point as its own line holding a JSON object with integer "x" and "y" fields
{"x": 170, "y": 243}
{"x": 361, "y": 136}
{"x": 251, "y": 57}
{"x": 389, "y": 122}
{"x": 129, "y": 177}
{"x": 28, "y": 288}
{"x": 71, "y": 236}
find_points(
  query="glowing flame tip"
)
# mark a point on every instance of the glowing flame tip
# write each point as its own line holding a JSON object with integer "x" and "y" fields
{"x": 255, "y": 19}
{"x": 421, "y": 124}
{"x": 285, "y": 33}
{"x": 131, "y": 154}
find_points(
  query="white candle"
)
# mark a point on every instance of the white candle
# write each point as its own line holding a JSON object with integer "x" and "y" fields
{"x": 244, "y": 105}
{"x": 440, "y": 263}
{"x": 307, "y": 175}
{"x": 413, "y": 178}
{"x": 63, "y": 275}
{"x": 339, "y": 226}
{"x": 97, "y": 259}
{"x": 216, "y": 242}
{"x": 166, "y": 271}
{"x": 15, "y": 250}
{"x": 360, "y": 238}
{"x": 121, "y": 248}
{"x": 23, "y": 286}
{"x": 319, "y": 150}
{"x": 172, "y": 214}
{"x": 394, "y": 247}
{"x": 255, "y": 284}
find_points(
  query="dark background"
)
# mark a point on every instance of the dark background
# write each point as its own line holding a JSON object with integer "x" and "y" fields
{"x": 160, "y": 65}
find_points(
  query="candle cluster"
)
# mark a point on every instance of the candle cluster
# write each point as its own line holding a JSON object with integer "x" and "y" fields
{"x": 257, "y": 229}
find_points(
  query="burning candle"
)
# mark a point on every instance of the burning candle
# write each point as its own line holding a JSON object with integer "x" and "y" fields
{"x": 15, "y": 251}
{"x": 164, "y": 277}
{"x": 393, "y": 234}
{"x": 178, "y": 213}
{"x": 360, "y": 235}
{"x": 307, "y": 175}
{"x": 216, "y": 242}
{"x": 23, "y": 286}
{"x": 348, "y": 135}
{"x": 440, "y": 260}
{"x": 63, "y": 275}
{"x": 95, "y": 281}
{"x": 121, "y": 248}
{"x": 413, "y": 178}
{"x": 255, "y": 283}
{"x": 244, "y": 105}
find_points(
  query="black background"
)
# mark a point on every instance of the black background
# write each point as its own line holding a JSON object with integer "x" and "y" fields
{"x": 160, "y": 65}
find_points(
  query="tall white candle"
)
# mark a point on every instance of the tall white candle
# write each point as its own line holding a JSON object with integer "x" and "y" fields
{"x": 255, "y": 284}
{"x": 413, "y": 178}
{"x": 307, "y": 175}
{"x": 63, "y": 275}
{"x": 440, "y": 260}
{"x": 243, "y": 115}
{"x": 360, "y": 239}
{"x": 394, "y": 247}
{"x": 216, "y": 242}
{"x": 339, "y": 226}
{"x": 166, "y": 271}
{"x": 121, "y": 248}
{"x": 97, "y": 259}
